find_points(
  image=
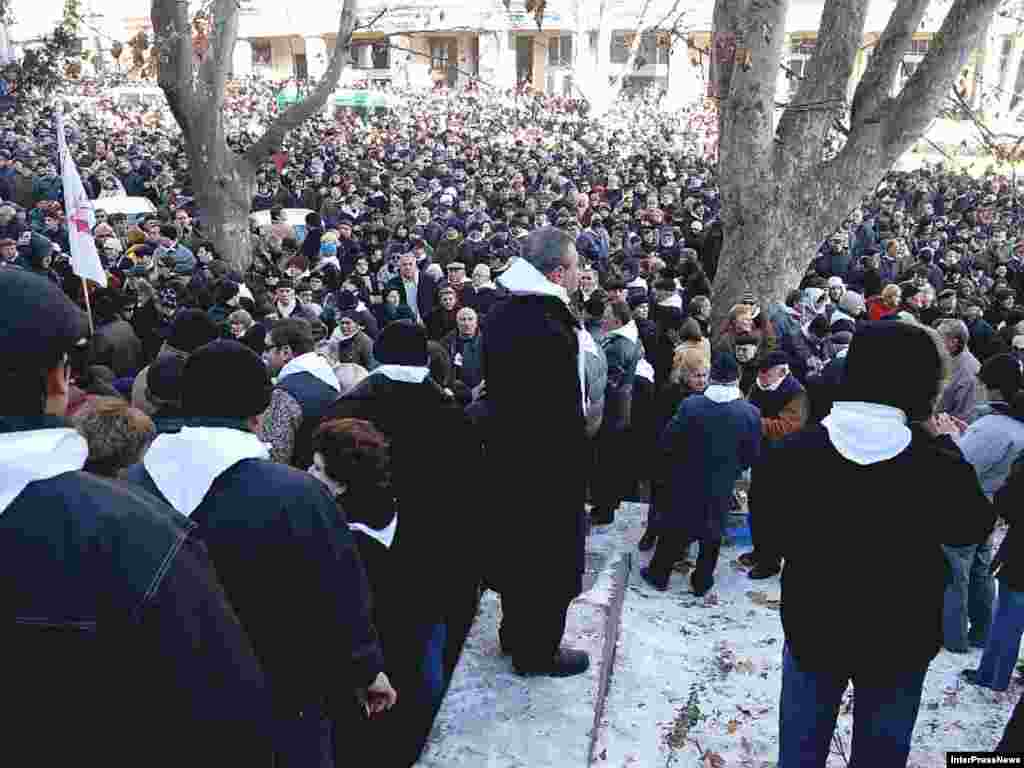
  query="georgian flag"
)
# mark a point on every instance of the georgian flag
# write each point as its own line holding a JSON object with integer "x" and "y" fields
{"x": 81, "y": 217}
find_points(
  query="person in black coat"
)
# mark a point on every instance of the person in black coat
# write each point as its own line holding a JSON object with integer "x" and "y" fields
{"x": 535, "y": 452}
{"x": 999, "y": 661}
{"x": 290, "y": 570}
{"x": 897, "y": 465}
{"x": 403, "y": 401}
{"x": 114, "y": 612}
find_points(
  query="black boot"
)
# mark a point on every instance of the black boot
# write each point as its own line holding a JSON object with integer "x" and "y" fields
{"x": 566, "y": 663}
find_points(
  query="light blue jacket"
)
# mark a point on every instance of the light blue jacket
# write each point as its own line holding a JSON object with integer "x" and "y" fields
{"x": 991, "y": 444}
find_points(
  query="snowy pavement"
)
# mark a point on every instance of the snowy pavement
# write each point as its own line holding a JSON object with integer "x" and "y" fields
{"x": 696, "y": 675}
{"x": 695, "y": 682}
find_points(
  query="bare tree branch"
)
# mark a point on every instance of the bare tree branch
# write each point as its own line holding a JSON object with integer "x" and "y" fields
{"x": 171, "y": 24}
{"x": 223, "y": 33}
{"x": 949, "y": 51}
{"x": 802, "y": 131}
{"x": 873, "y": 89}
{"x": 294, "y": 116}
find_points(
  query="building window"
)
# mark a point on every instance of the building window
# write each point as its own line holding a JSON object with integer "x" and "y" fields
{"x": 439, "y": 54}
{"x": 262, "y": 54}
{"x": 380, "y": 56}
{"x": 620, "y": 46}
{"x": 802, "y": 46}
{"x": 560, "y": 51}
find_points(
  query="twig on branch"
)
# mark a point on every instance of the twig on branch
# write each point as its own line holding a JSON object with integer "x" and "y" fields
{"x": 294, "y": 116}
{"x": 372, "y": 21}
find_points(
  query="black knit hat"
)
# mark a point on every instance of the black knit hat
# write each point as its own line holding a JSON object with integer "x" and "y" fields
{"x": 225, "y": 379}
{"x": 192, "y": 328}
{"x": 1002, "y": 372}
{"x": 874, "y": 352}
{"x": 724, "y": 368}
{"x": 401, "y": 343}
{"x": 772, "y": 359}
{"x": 38, "y": 322}
{"x": 164, "y": 379}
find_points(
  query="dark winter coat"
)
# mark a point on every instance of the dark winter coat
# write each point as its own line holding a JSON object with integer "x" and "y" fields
{"x": 116, "y": 346}
{"x": 466, "y": 356}
{"x": 535, "y": 428}
{"x": 622, "y": 355}
{"x": 888, "y": 509}
{"x": 426, "y": 293}
{"x": 293, "y": 575}
{"x": 110, "y": 594}
{"x": 434, "y": 521}
{"x": 706, "y": 446}
{"x": 1009, "y": 560}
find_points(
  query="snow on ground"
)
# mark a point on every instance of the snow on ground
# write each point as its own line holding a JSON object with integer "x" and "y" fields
{"x": 707, "y": 672}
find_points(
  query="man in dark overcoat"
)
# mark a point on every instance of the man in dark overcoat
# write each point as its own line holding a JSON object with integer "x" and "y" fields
{"x": 534, "y": 378}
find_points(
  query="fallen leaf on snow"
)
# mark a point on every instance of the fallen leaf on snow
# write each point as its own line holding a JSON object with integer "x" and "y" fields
{"x": 745, "y": 666}
{"x": 762, "y": 599}
{"x": 732, "y": 726}
{"x": 712, "y": 760}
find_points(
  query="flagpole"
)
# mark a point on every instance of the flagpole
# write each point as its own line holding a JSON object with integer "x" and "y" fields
{"x": 88, "y": 309}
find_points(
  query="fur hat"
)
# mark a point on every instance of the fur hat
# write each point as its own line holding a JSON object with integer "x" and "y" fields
{"x": 225, "y": 379}
{"x": 192, "y": 328}
{"x": 724, "y": 368}
{"x": 401, "y": 343}
{"x": 923, "y": 367}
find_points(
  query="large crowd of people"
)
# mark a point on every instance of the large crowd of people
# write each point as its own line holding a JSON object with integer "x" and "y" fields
{"x": 261, "y": 500}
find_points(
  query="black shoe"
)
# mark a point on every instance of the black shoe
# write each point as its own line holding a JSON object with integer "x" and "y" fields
{"x": 602, "y": 516}
{"x": 565, "y": 663}
{"x": 645, "y": 574}
{"x": 647, "y": 541}
{"x": 748, "y": 559}
{"x": 764, "y": 571}
{"x": 700, "y": 590}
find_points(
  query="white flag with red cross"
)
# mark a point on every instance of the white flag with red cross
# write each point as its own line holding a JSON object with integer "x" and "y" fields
{"x": 81, "y": 217}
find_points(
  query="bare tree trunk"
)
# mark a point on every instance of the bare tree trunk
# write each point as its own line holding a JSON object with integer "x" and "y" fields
{"x": 223, "y": 180}
{"x": 1008, "y": 78}
{"x": 780, "y": 199}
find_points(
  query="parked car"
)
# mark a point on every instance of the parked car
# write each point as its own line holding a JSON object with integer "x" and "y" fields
{"x": 294, "y": 216}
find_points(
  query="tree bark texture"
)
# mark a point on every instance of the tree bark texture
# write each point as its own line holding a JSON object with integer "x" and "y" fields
{"x": 780, "y": 199}
{"x": 223, "y": 180}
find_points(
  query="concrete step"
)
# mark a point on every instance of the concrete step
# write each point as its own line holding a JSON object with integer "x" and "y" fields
{"x": 493, "y": 717}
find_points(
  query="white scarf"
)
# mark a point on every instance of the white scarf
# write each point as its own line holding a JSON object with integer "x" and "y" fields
{"x": 628, "y": 331}
{"x": 37, "y": 454}
{"x": 723, "y": 393}
{"x": 645, "y": 371}
{"x": 340, "y": 335}
{"x": 384, "y": 535}
{"x": 407, "y": 374}
{"x": 313, "y": 364}
{"x": 772, "y": 387}
{"x": 867, "y": 433}
{"x": 675, "y": 300}
{"x": 185, "y": 465}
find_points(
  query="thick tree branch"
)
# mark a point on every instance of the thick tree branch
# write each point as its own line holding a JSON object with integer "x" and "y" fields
{"x": 802, "y": 131}
{"x": 174, "y": 42}
{"x": 297, "y": 114}
{"x": 873, "y": 89}
{"x": 222, "y": 34}
{"x": 875, "y": 145}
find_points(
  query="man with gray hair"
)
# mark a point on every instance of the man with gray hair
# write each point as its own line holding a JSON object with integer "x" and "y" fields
{"x": 960, "y": 396}
{"x": 534, "y": 371}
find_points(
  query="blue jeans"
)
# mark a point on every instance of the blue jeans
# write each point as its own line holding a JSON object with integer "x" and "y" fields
{"x": 968, "y": 598}
{"x": 885, "y": 710}
{"x": 433, "y": 663}
{"x": 1000, "y": 657}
